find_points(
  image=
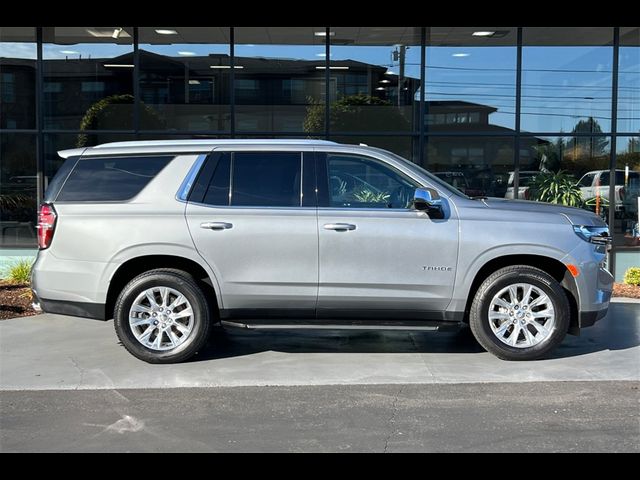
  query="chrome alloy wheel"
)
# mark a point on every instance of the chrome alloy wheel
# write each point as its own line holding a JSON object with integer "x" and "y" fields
{"x": 522, "y": 316}
{"x": 161, "y": 319}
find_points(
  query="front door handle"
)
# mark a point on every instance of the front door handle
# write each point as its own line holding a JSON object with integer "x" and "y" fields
{"x": 340, "y": 227}
{"x": 217, "y": 226}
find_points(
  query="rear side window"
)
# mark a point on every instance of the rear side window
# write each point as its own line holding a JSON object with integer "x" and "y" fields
{"x": 218, "y": 191}
{"x": 266, "y": 180}
{"x": 111, "y": 179}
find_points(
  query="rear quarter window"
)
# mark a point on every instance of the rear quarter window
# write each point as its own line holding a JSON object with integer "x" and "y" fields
{"x": 53, "y": 190}
{"x": 111, "y": 179}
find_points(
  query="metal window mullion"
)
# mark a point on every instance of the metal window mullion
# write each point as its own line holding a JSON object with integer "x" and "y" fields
{"x": 518, "y": 142}
{"x": 327, "y": 79}
{"x": 614, "y": 142}
{"x": 40, "y": 160}
{"x": 137, "y": 100}
{"x": 232, "y": 79}
{"x": 423, "y": 96}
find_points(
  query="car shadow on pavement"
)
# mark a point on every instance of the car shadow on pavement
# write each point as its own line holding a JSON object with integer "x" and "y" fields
{"x": 236, "y": 343}
{"x": 623, "y": 334}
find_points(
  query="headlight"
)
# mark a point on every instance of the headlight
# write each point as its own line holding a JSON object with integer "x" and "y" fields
{"x": 597, "y": 235}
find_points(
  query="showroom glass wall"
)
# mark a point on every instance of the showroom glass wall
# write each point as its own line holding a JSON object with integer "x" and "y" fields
{"x": 493, "y": 110}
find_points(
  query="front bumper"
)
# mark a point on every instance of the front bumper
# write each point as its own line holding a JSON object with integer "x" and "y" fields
{"x": 589, "y": 319}
{"x": 599, "y": 295}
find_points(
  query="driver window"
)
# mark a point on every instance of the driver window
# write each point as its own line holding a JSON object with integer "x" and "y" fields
{"x": 357, "y": 182}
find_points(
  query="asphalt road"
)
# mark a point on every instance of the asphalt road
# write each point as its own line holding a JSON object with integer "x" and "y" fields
{"x": 547, "y": 417}
{"x": 66, "y": 385}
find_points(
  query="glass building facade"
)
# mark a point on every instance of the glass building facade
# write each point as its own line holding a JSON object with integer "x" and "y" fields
{"x": 495, "y": 111}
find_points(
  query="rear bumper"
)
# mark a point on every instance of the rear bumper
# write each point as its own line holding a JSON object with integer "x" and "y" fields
{"x": 68, "y": 281}
{"x": 93, "y": 311}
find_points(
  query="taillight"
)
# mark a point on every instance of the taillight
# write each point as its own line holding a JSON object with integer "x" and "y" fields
{"x": 623, "y": 193}
{"x": 47, "y": 218}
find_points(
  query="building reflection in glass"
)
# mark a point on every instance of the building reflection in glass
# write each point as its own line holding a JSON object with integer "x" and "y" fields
{"x": 277, "y": 82}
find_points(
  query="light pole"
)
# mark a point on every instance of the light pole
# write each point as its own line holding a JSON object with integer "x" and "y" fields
{"x": 400, "y": 55}
{"x": 403, "y": 67}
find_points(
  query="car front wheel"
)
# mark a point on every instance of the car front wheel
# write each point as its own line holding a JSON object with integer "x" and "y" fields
{"x": 520, "y": 313}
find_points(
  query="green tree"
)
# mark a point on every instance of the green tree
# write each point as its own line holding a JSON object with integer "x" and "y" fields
{"x": 593, "y": 146}
{"x": 113, "y": 113}
{"x": 357, "y": 113}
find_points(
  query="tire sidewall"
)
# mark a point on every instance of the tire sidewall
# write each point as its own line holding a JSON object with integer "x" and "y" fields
{"x": 131, "y": 293}
{"x": 482, "y": 328}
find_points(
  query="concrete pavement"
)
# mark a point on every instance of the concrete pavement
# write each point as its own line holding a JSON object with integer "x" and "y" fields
{"x": 62, "y": 353}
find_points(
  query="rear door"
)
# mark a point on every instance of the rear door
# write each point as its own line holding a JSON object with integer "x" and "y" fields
{"x": 253, "y": 218}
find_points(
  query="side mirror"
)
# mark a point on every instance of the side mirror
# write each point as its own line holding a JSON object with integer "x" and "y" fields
{"x": 428, "y": 200}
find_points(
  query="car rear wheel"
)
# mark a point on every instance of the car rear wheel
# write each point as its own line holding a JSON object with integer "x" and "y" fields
{"x": 162, "y": 317}
{"x": 520, "y": 313}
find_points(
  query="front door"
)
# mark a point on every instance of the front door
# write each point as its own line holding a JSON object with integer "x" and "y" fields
{"x": 251, "y": 223}
{"x": 378, "y": 256}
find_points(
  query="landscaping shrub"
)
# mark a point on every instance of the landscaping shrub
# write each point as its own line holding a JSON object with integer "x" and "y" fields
{"x": 632, "y": 277}
{"x": 19, "y": 272}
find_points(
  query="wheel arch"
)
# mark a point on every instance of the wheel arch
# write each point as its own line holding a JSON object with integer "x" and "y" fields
{"x": 138, "y": 265}
{"x": 552, "y": 266}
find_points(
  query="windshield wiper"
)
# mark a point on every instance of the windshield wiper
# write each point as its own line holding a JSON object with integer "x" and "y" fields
{"x": 482, "y": 197}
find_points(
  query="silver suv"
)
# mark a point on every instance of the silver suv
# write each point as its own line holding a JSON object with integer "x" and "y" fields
{"x": 173, "y": 238}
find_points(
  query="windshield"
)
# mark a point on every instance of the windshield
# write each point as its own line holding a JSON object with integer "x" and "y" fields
{"x": 526, "y": 178}
{"x": 418, "y": 169}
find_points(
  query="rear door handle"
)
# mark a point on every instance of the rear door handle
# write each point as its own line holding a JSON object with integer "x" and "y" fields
{"x": 216, "y": 226}
{"x": 340, "y": 227}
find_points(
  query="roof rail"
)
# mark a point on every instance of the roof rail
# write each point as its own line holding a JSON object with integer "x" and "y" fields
{"x": 212, "y": 142}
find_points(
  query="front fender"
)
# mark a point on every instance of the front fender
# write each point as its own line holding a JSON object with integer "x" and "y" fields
{"x": 469, "y": 269}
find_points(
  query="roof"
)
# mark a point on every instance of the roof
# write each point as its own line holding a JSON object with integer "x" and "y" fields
{"x": 463, "y": 105}
{"x": 185, "y": 146}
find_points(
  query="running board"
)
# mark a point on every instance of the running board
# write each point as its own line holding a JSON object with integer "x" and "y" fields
{"x": 389, "y": 328}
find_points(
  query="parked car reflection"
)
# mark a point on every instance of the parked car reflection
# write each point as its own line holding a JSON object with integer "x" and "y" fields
{"x": 524, "y": 191}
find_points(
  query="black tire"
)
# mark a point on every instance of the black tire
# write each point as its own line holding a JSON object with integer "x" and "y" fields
{"x": 479, "y": 315}
{"x": 187, "y": 286}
